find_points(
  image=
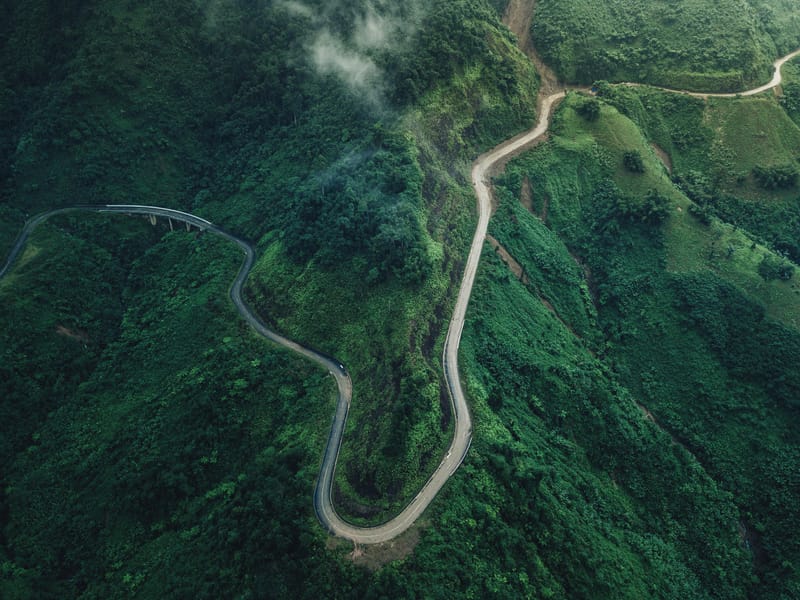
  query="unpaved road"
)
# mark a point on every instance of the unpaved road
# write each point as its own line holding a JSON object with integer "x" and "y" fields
{"x": 777, "y": 79}
{"x": 482, "y": 169}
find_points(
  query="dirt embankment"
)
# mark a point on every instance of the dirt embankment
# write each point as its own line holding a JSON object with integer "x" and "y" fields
{"x": 663, "y": 156}
{"x": 518, "y": 18}
{"x": 506, "y": 257}
{"x": 74, "y": 334}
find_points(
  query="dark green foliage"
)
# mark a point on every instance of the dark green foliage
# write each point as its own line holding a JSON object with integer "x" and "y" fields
{"x": 205, "y": 443}
{"x": 776, "y": 177}
{"x": 170, "y": 472}
{"x": 790, "y": 99}
{"x": 152, "y": 446}
{"x": 775, "y": 268}
{"x": 365, "y": 204}
{"x": 612, "y": 209}
{"x": 452, "y": 36}
{"x": 713, "y": 369}
{"x": 683, "y": 44}
{"x": 701, "y": 213}
{"x": 589, "y": 109}
{"x": 652, "y": 209}
{"x": 584, "y": 437}
{"x": 632, "y": 161}
{"x": 752, "y": 347}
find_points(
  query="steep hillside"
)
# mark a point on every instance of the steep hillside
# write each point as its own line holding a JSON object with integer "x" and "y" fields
{"x": 693, "y": 327}
{"x": 686, "y": 44}
{"x": 340, "y": 140}
{"x": 630, "y": 349}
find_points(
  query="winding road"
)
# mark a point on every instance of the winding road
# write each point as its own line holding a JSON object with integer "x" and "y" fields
{"x": 777, "y": 78}
{"x": 323, "y": 505}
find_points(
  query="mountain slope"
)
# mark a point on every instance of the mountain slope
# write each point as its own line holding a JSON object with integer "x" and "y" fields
{"x": 632, "y": 377}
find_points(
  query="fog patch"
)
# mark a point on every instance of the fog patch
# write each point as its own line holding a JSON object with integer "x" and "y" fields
{"x": 352, "y": 58}
{"x": 295, "y": 8}
{"x": 356, "y": 70}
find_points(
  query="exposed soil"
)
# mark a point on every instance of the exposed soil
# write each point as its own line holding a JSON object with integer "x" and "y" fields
{"x": 518, "y": 18}
{"x": 510, "y": 261}
{"x": 651, "y": 417}
{"x": 375, "y": 556}
{"x": 545, "y": 207}
{"x": 751, "y": 541}
{"x": 647, "y": 414}
{"x": 664, "y": 156}
{"x": 526, "y": 195}
{"x": 569, "y": 327}
{"x": 74, "y": 334}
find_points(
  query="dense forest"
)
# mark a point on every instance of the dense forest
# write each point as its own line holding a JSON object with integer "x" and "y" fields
{"x": 723, "y": 46}
{"x": 631, "y": 346}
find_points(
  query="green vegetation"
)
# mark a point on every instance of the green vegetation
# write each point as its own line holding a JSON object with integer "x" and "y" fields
{"x": 685, "y": 44}
{"x": 695, "y": 337}
{"x": 790, "y": 96}
{"x": 144, "y": 447}
{"x": 779, "y": 177}
{"x": 633, "y": 161}
{"x": 633, "y": 379}
{"x": 734, "y": 158}
{"x": 351, "y": 182}
{"x": 589, "y": 109}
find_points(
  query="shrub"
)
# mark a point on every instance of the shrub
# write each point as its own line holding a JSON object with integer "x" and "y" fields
{"x": 589, "y": 109}
{"x": 779, "y": 177}
{"x": 772, "y": 267}
{"x": 632, "y": 161}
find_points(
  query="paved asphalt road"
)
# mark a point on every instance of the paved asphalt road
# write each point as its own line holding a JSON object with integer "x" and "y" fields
{"x": 481, "y": 171}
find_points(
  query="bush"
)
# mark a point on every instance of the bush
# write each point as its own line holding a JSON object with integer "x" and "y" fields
{"x": 779, "y": 177}
{"x": 589, "y": 109}
{"x": 791, "y": 97}
{"x": 632, "y": 161}
{"x": 772, "y": 267}
{"x": 651, "y": 210}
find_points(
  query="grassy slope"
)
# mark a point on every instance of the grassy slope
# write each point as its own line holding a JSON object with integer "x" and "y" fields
{"x": 690, "y": 246}
{"x": 680, "y": 318}
{"x": 714, "y": 150}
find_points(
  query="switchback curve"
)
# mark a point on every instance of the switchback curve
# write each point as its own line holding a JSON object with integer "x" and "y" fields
{"x": 481, "y": 171}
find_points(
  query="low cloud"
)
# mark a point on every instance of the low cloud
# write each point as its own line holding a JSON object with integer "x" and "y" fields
{"x": 374, "y": 31}
{"x": 352, "y": 58}
{"x": 355, "y": 69}
{"x": 296, "y": 8}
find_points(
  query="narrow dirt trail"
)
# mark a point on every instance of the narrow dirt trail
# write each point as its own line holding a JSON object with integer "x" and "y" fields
{"x": 777, "y": 79}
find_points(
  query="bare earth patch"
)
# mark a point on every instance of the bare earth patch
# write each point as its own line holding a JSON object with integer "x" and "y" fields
{"x": 75, "y": 334}
{"x": 526, "y": 195}
{"x": 512, "y": 264}
{"x": 664, "y": 156}
{"x": 518, "y": 18}
{"x": 375, "y": 556}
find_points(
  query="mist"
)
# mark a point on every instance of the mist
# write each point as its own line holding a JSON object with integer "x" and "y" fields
{"x": 374, "y": 29}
